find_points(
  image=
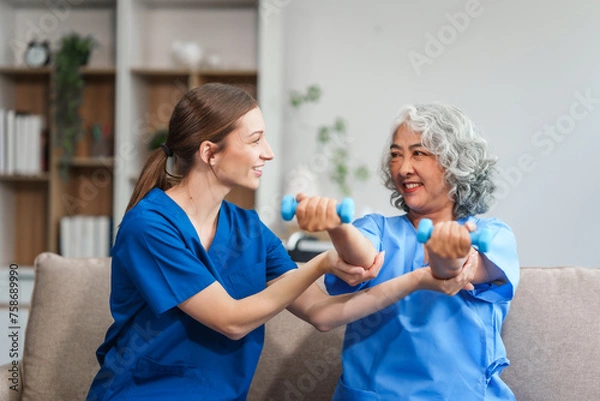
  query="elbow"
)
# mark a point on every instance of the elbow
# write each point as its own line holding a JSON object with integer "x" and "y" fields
{"x": 323, "y": 328}
{"x": 232, "y": 329}
{"x": 321, "y": 324}
{"x": 233, "y": 332}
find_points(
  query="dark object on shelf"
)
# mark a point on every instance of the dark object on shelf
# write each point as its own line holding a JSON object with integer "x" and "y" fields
{"x": 37, "y": 54}
{"x": 302, "y": 247}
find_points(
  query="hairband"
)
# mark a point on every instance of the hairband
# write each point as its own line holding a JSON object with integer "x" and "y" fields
{"x": 167, "y": 151}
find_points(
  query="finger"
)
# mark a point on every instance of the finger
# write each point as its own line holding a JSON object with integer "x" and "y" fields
{"x": 470, "y": 226}
{"x": 378, "y": 261}
{"x": 300, "y": 196}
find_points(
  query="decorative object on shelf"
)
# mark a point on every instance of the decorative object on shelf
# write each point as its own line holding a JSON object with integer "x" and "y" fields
{"x": 73, "y": 53}
{"x": 102, "y": 141}
{"x": 187, "y": 54}
{"x": 335, "y": 137}
{"x": 37, "y": 54}
{"x": 213, "y": 61}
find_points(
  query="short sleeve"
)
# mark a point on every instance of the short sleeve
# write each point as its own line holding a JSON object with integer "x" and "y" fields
{"x": 502, "y": 253}
{"x": 154, "y": 254}
{"x": 371, "y": 227}
{"x": 278, "y": 259}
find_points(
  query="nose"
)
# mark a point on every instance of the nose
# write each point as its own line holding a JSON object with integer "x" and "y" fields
{"x": 406, "y": 167}
{"x": 267, "y": 152}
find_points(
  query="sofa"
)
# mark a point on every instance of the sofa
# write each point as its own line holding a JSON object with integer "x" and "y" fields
{"x": 552, "y": 336}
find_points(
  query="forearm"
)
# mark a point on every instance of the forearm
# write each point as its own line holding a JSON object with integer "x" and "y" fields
{"x": 330, "y": 312}
{"x": 233, "y": 318}
{"x": 446, "y": 268}
{"x": 352, "y": 246}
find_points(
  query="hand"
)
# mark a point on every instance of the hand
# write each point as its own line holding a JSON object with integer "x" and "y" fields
{"x": 451, "y": 286}
{"x": 353, "y": 275}
{"x": 316, "y": 213}
{"x": 450, "y": 240}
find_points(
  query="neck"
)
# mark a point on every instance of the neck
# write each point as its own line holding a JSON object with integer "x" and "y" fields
{"x": 199, "y": 198}
{"x": 442, "y": 215}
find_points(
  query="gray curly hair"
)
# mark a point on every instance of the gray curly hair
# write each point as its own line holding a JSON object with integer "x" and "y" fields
{"x": 451, "y": 136}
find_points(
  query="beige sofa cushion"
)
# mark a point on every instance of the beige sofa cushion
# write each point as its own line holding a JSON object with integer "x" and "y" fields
{"x": 68, "y": 319}
{"x": 298, "y": 362}
{"x": 552, "y": 335}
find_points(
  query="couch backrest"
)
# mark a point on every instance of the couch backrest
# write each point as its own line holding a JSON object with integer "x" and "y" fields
{"x": 67, "y": 322}
{"x": 298, "y": 362}
{"x": 552, "y": 335}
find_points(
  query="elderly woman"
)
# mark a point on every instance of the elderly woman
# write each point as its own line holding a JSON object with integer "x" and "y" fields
{"x": 428, "y": 345}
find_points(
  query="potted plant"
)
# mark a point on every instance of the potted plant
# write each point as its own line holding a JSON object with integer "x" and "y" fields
{"x": 73, "y": 53}
{"x": 334, "y": 136}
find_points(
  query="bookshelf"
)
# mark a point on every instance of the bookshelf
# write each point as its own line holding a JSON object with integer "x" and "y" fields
{"x": 131, "y": 85}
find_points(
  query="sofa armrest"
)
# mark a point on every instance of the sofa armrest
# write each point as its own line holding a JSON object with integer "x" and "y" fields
{"x": 11, "y": 382}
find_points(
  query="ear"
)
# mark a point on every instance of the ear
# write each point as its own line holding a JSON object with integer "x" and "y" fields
{"x": 206, "y": 152}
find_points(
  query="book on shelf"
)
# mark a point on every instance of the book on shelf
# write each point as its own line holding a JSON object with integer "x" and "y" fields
{"x": 22, "y": 143}
{"x": 83, "y": 236}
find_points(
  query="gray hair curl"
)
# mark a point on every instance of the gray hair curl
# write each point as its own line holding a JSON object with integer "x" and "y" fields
{"x": 451, "y": 136}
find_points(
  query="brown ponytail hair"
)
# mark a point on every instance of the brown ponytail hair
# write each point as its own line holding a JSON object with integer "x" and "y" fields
{"x": 206, "y": 113}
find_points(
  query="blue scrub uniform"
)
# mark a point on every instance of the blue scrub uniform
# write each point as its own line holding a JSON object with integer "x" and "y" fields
{"x": 153, "y": 350}
{"x": 428, "y": 346}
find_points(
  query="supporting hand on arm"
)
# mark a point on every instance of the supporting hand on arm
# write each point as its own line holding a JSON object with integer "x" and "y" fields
{"x": 448, "y": 249}
{"x": 215, "y": 308}
{"x": 328, "y": 312}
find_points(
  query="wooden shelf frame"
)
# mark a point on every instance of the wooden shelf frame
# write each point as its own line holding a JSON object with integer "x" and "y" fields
{"x": 129, "y": 90}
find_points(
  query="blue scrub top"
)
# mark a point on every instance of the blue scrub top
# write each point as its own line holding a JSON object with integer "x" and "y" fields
{"x": 153, "y": 350}
{"x": 428, "y": 346}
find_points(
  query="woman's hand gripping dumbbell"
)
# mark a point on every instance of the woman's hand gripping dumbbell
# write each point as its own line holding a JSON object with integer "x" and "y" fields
{"x": 480, "y": 238}
{"x": 345, "y": 210}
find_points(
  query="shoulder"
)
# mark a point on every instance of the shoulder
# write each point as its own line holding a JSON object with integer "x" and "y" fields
{"x": 491, "y": 223}
{"x": 155, "y": 211}
{"x": 383, "y": 223}
{"x": 240, "y": 217}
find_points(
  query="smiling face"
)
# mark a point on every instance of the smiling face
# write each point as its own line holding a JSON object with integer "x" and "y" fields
{"x": 246, "y": 152}
{"x": 418, "y": 177}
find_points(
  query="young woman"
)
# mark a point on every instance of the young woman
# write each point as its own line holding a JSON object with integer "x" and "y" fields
{"x": 194, "y": 278}
{"x": 427, "y": 346}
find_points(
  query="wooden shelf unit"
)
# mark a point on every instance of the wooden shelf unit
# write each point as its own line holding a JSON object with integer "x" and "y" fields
{"x": 132, "y": 85}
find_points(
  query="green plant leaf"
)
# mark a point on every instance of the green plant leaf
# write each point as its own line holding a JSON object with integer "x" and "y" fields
{"x": 323, "y": 136}
{"x": 362, "y": 173}
{"x": 340, "y": 125}
{"x": 313, "y": 93}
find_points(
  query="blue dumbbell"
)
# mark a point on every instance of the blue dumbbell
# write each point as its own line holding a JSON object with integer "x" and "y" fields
{"x": 480, "y": 238}
{"x": 345, "y": 209}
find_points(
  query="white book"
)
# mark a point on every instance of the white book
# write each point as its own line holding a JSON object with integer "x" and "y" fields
{"x": 19, "y": 144}
{"x": 10, "y": 149}
{"x": 66, "y": 225}
{"x": 77, "y": 233}
{"x": 103, "y": 236}
{"x": 87, "y": 237}
{"x": 36, "y": 144}
{"x": 2, "y": 140}
{"x": 23, "y": 150}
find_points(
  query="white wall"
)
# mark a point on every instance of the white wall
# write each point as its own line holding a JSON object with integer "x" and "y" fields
{"x": 519, "y": 69}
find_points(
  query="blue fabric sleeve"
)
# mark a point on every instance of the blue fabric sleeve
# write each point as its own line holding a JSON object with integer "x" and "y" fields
{"x": 503, "y": 254}
{"x": 278, "y": 259}
{"x": 164, "y": 271}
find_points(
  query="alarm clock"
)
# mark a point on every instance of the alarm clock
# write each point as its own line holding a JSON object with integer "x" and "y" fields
{"x": 37, "y": 54}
